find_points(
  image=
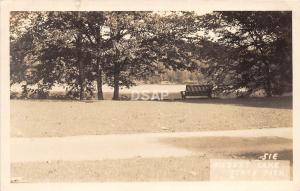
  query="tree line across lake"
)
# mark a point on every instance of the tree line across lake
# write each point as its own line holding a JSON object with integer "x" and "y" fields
{"x": 84, "y": 50}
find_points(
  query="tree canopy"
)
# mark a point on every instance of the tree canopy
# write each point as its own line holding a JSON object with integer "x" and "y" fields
{"x": 251, "y": 49}
{"x": 84, "y": 50}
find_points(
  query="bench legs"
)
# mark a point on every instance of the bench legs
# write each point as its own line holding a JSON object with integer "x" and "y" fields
{"x": 182, "y": 94}
{"x": 209, "y": 96}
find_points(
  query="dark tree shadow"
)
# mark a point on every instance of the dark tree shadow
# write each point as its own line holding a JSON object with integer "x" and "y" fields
{"x": 285, "y": 154}
{"x": 273, "y": 102}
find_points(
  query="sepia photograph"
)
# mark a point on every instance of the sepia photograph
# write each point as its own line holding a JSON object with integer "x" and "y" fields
{"x": 150, "y": 96}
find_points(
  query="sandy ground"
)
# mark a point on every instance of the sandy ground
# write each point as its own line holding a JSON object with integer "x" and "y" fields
{"x": 188, "y": 168}
{"x": 68, "y": 118}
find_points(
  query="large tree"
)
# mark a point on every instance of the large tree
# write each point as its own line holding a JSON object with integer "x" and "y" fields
{"x": 146, "y": 43}
{"x": 249, "y": 49}
{"x": 23, "y": 46}
{"x": 83, "y": 30}
{"x": 129, "y": 58}
{"x": 65, "y": 48}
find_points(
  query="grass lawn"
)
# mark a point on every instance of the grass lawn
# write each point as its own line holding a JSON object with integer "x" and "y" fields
{"x": 189, "y": 168}
{"x": 44, "y": 118}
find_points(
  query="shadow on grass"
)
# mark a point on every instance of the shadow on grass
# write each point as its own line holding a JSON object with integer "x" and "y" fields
{"x": 285, "y": 154}
{"x": 273, "y": 102}
{"x": 236, "y": 147}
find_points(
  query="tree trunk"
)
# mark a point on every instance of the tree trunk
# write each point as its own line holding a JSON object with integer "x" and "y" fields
{"x": 116, "y": 81}
{"x": 99, "y": 68}
{"x": 268, "y": 84}
{"x": 81, "y": 87}
{"x": 99, "y": 81}
{"x": 80, "y": 64}
{"x": 81, "y": 80}
{"x": 116, "y": 91}
{"x": 81, "y": 77}
{"x": 24, "y": 91}
{"x": 99, "y": 86}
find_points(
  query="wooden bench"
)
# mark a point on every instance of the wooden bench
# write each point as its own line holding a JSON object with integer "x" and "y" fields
{"x": 197, "y": 90}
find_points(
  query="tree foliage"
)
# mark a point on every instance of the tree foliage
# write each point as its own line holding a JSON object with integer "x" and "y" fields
{"x": 84, "y": 50}
{"x": 250, "y": 49}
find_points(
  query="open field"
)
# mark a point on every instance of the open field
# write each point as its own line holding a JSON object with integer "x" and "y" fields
{"x": 42, "y": 118}
{"x": 194, "y": 167}
{"x": 53, "y": 119}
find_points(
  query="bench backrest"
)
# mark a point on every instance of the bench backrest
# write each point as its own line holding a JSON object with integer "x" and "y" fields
{"x": 198, "y": 88}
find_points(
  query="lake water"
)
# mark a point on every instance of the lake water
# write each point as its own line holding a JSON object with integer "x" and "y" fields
{"x": 139, "y": 88}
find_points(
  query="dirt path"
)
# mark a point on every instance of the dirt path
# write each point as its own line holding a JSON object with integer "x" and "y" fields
{"x": 99, "y": 147}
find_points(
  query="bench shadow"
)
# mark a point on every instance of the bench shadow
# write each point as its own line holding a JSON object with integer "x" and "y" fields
{"x": 274, "y": 102}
